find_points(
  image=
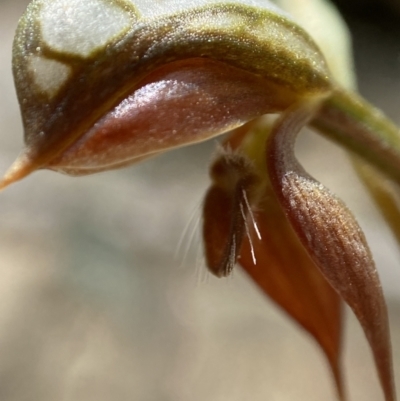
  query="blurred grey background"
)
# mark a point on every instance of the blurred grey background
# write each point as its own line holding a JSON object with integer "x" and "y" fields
{"x": 99, "y": 302}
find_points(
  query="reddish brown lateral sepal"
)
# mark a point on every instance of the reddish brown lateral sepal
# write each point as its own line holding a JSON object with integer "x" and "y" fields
{"x": 332, "y": 237}
{"x": 235, "y": 213}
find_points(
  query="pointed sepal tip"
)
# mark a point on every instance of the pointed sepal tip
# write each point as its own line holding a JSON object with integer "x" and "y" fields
{"x": 21, "y": 167}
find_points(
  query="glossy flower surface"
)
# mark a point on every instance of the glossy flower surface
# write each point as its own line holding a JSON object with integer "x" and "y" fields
{"x": 104, "y": 84}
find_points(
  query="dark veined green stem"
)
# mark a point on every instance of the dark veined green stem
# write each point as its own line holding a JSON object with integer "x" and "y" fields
{"x": 352, "y": 122}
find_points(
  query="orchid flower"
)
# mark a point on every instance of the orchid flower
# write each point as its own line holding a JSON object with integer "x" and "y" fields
{"x": 103, "y": 84}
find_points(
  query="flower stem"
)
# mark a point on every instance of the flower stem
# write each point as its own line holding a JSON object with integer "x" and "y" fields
{"x": 354, "y": 123}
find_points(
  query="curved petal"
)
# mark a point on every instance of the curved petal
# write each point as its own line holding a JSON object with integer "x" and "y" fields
{"x": 332, "y": 238}
{"x": 181, "y": 103}
{"x": 75, "y": 61}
